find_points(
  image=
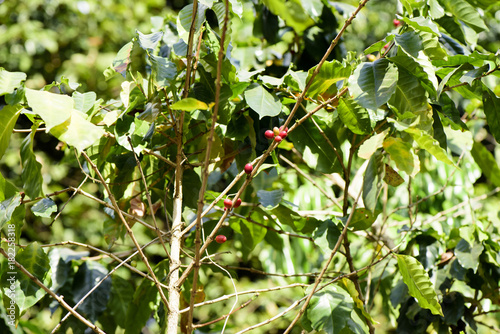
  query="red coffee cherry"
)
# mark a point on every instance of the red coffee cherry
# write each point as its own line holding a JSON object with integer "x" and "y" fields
{"x": 220, "y": 239}
{"x": 248, "y": 168}
{"x": 269, "y": 134}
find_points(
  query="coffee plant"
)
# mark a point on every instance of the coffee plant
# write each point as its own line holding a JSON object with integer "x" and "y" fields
{"x": 347, "y": 191}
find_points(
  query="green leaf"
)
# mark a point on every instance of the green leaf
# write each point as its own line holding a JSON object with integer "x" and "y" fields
{"x": 54, "y": 109}
{"x": 122, "y": 60}
{"x": 431, "y": 145}
{"x": 252, "y": 234}
{"x": 291, "y": 12}
{"x": 44, "y": 208}
{"x": 184, "y": 20}
{"x": 189, "y": 104}
{"x": 329, "y": 74}
{"x": 89, "y": 274}
{"x": 410, "y": 42}
{"x": 486, "y": 162}
{"x": 8, "y": 119}
{"x": 327, "y": 234}
{"x": 7, "y": 208}
{"x": 419, "y": 283}
{"x": 410, "y": 97}
{"x": 163, "y": 70}
{"x": 401, "y": 153}
{"x": 144, "y": 302}
{"x": 32, "y": 169}
{"x": 468, "y": 256}
{"x": 78, "y": 133}
{"x": 291, "y": 218}
{"x": 423, "y": 24}
{"x": 372, "y": 84}
{"x": 317, "y": 153}
{"x": 85, "y": 101}
{"x": 34, "y": 260}
{"x": 262, "y": 102}
{"x": 353, "y": 116}
{"x": 331, "y": 310}
{"x": 150, "y": 41}
{"x": 466, "y": 13}
{"x": 435, "y": 9}
{"x": 61, "y": 266}
{"x": 492, "y": 111}
{"x": 362, "y": 219}
{"x": 122, "y": 293}
{"x": 9, "y": 81}
{"x": 372, "y": 182}
{"x": 63, "y": 121}
{"x": 270, "y": 199}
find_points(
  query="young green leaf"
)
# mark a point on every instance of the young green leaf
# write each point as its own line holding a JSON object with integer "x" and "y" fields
{"x": 419, "y": 283}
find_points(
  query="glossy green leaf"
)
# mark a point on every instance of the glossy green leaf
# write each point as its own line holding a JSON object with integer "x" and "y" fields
{"x": 270, "y": 199}
{"x": 372, "y": 182}
{"x": 372, "y": 144}
{"x": 466, "y": 13}
{"x": 54, "y": 109}
{"x": 410, "y": 97}
{"x": 32, "y": 169}
{"x": 431, "y": 145}
{"x": 61, "y": 265}
{"x": 423, "y": 24}
{"x": 331, "y": 310}
{"x": 140, "y": 308}
{"x": 122, "y": 60}
{"x": 7, "y": 208}
{"x": 262, "y": 102}
{"x": 44, "y": 208}
{"x": 486, "y": 162}
{"x": 354, "y": 117}
{"x": 78, "y": 133}
{"x": 492, "y": 111}
{"x": 287, "y": 216}
{"x": 402, "y": 154}
{"x": 327, "y": 234}
{"x": 362, "y": 219}
{"x": 468, "y": 255}
{"x": 8, "y": 119}
{"x": 149, "y": 41}
{"x": 419, "y": 284}
{"x": 85, "y": 101}
{"x": 372, "y": 84}
{"x": 35, "y": 261}
{"x": 318, "y": 154}
{"x": 329, "y": 74}
{"x": 421, "y": 68}
{"x": 410, "y": 42}
{"x": 164, "y": 71}
{"x": 122, "y": 293}
{"x": 9, "y": 81}
{"x": 90, "y": 274}
{"x": 435, "y": 9}
{"x": 185, "y": 18}
{"x": 189, "y": 104}
{"x": 291, "y": 12}
{"x": 432, "y": 46}
{"x": 252, "y": 234}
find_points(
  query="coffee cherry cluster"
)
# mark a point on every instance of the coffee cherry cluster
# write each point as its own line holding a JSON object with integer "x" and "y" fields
{"x": 229, "y": 203}
{"x": 277, "y": 133}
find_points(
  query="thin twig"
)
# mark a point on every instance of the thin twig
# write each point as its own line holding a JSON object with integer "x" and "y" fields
{"x": 129, "y": 230}
{"x": 59, "y": 299}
